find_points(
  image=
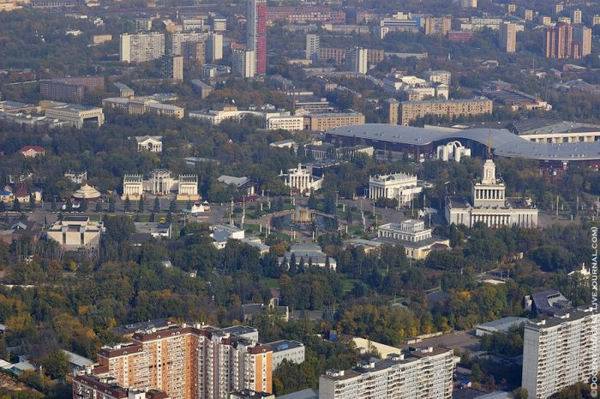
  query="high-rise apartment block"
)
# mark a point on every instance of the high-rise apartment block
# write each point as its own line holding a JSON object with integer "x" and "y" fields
{"x": 393, "y": 106}
{"x": 508, "y": 37}
{"x": 582, "y": 35}
{"x": 312, "y": 46}
{"x": 244, "y": 63}
{"x": 468, "y": 3}
{"x": 410, "y": 111}
{"x": 215, "y": 47}
{"x": 576, "y": 16}
{"x": 437, "y": 25}
{"x": 560, "y": 351}
{"x": 359, "y": 61}
{"x": 423, "y": 373}
{"x": 187, "y": 362}
{"x": 568, "y": 41}
{"x": 141, "y": 47}
{"x": 256, "y": 36}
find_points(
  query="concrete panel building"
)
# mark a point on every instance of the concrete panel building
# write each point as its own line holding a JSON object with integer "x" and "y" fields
{"x": 423, "y": 373}
{"x": 410, "y": 111}
{"x": 560, "y": 351}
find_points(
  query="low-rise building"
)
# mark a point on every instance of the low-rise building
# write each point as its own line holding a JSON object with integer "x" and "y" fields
{"x": 302, "y": 179}
{"x": 74, "y": 115}
{"x": 143, "y": 105}
{"x": 32, "y": 151}
{"x": 502, "y": 325}
{"x": 161, "y": 183}
{"x": 76, "y": 232}
{"x": 285, "y": 122}
{"x": 399, "y": 186}
{"x": 311, "y": 255}
{"x": 556, "y": 131}
{"x": 149, "y": 143}
{"x": 154, "y": 229}
{"x": 417, "y": 240}
{"x": 452, "y": 151}
{"x": 291, "y": 351}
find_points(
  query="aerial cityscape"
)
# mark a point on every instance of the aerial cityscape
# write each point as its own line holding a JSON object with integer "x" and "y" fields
{"x": 299, "y": 199}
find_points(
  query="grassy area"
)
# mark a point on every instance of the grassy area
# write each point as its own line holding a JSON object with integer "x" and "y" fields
{"x": 270, "y": 282}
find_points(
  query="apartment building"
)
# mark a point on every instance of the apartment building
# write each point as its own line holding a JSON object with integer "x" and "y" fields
{"x": 560, "y": 351}
{"x": 508, "y": 37}
{"x": 70, "y": 89}
{"x": 422, "y": 373}
{"x": 330, "y": 120}
{"x": 141, "y": 47}
{"x": 565, "y": 40}
{"x": 437, "y": 25}
{"x": 291, "y": 351}
{"x": 285, "y": 122}
{"x": 92, "y": 387}
{"x": 186, "y": 362}
{"x": 410, "y": 111}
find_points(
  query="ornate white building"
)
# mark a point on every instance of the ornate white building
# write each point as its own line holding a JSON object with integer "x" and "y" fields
{"x": 302, "y": 179}
{"x": 398, "y": 186}
{"x": 489, "y": 204}
{"x": 161, "y": 183}
{"x": 417, "y": 239}
{"x": 149, "y": 143}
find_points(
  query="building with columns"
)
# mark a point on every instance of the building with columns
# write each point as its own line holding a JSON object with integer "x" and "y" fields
{"x": 398, "y": 186}
{"x": 161, "y": 183}
{"x": 489, "y": 204}
{"x": 414, "y": 236}
{"x": 302, "y": 180}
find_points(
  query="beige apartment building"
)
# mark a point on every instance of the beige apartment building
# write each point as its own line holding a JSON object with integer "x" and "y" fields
{"x": 143, "y": 105}
{"x": 410, "y": 111}
{"x": 327, "y": 121}
{"x": 188, "y": 362}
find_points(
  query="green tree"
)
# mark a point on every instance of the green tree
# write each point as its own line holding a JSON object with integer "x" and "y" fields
{"x": 56, "y": 364}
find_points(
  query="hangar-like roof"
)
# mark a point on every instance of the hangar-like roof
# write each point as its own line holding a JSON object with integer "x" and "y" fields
{"x": 503, "y": 142}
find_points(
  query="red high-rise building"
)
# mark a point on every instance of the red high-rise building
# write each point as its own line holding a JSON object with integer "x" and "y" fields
{"x": 256, "y": 39}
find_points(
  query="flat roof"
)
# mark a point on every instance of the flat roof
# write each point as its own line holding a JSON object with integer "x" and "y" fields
{"x": 503, "y": 142}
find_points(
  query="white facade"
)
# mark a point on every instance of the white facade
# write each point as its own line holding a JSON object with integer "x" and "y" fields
{"x": 489, "y": 205}
{"x": 426, "y": 374}
{"x": 313, "y": 44}
{"x": 292, "y": 351}
{"x": 141, "y": 47}
{"x": 161, "y": 183}
{"x": 302, "y": 180}
{"x": 452, "y": 151}
{"x": 407, "y": 230}
{"x": 285, "y": 122}
{"x": 149, "y": 143}
{"x": 560, "y": 352}
{"x": 399, "y": 186}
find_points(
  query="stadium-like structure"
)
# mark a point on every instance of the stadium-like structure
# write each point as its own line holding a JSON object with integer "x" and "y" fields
{"x": 502, "y": 142}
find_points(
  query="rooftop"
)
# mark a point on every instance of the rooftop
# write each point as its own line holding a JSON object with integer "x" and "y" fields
{"x": 503, "y": 142}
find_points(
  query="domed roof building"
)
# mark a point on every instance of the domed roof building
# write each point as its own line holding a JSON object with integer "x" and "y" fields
{"x": 87, "y": 192}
